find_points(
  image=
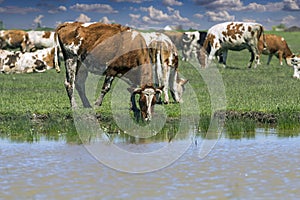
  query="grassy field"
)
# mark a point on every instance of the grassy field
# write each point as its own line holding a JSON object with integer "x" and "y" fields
{"x": 37, "y": 103}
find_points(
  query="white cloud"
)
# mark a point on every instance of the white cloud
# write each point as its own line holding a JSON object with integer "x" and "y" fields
{"x": 291, "y": 5}
{"x": 105, "y": 20}
{"x": 158, "y": 17}
{"x": 238, "y": 5}
{"x": 220, "y": 16}
{"x": 290, "y": 21}
{"x": 198, "y": 15}
{"x": 101, "y": 8}
{"x": 131, "y": 1}
{"x": 248, "y": 20}
{"x": 172, "y": 3}
{"x": 219, "y": 4}
{"x": 83, "y": 18}
{"x": 57, "y": 10}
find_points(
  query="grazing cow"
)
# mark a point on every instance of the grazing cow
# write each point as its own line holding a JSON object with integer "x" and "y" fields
{"x": 192, "y": 41}
{"x": 18, "y": 62}
{"x": 15, "y": 39}
{"x": 112, "y": 50}
{"x": 275, "y": 45}
{"x": 41, "y": 39}
{"x": 231, "y": 36}
{"x": 295, "y": 61}
{"x": 147, "y": 101}
{"x": 164, "y": 59}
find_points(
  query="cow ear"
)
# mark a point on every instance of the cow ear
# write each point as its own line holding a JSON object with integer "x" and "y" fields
{"x": 159, "y": 89}
{"x": 183, "y": 81}
{"x": 137, "y": 91}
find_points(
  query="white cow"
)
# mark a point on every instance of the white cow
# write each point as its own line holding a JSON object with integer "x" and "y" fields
{"x": 41, "y": 39}
{"x": 296, "y": 64}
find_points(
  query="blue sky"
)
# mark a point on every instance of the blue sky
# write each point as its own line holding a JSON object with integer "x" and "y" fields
{"x": 144, "y": 14}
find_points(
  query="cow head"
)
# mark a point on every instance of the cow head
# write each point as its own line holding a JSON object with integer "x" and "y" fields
{"x": 147, "y": 100}
{"x": 289, "y": 59}
{"x": 177, "y": 95}
{"x": 295, "y": 61}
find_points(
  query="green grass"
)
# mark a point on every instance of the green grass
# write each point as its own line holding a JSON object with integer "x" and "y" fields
{"x": 37, "y": 103}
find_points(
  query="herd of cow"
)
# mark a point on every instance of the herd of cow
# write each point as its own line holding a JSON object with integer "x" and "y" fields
{"x": 148, "y": 62}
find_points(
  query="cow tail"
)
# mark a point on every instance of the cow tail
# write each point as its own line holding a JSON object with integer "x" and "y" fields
{"x": 56, "y": 52}
{"x": 262, "y": 33}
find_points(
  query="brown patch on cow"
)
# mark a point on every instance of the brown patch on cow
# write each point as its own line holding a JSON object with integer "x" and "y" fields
{"x": 49, "y": 58}
{"x": 39, "y": 65}
{"x": 249, "y": 29}
{"x": 92, "y": 35}
{"x": 233, "y": 30}
{"x": 12, "y": 59}
{"x": 47, "y": 34}
{"x": 15, "y": 38}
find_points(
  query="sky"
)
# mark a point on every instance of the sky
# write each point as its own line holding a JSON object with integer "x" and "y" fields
{"x": 149, "y": 14}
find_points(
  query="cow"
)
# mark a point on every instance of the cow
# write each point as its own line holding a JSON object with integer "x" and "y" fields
{"x": 146, "y": 101}
{"x": 231, "y": 36}
{"x": 15, "y": 39}
{"x": 164, "y": 59}
{"x": 112, "y": 50}
{"x": 41, "y": 39}
{"x": 192, "y": 41}
{"x": 295, "y": 61}
{"x": 18, "y": 62}
{"x": 275, "y": 45}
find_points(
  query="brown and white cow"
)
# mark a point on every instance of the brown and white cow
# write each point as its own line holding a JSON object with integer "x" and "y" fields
{"x": 295, "y": 61}
{"x": 41, "y": 39}
{"x": 18, "y": 62}
{"x": 15, "y": 39}
{"x": 103, "y": 49}
{"x": 164, "y": 59}
{"x": 275, "y": 45}
{"x": 234, "y": 36}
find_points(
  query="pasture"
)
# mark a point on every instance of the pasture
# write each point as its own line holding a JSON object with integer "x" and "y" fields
{"x": 268, "y": 96}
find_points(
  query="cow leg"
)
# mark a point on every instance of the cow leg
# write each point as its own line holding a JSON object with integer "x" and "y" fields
{"x": 269, "y": 58}
{"x": 173, "y": 84}
{"x": 71, "y": 66}
{"x": 223, "y": 57}
{"x": 166, "y": 78}
{"x": 81, "y": 76}
{"x": 280, "y": 55}
{"x": 105, "y": 88}
{"x": 254, "y": 56}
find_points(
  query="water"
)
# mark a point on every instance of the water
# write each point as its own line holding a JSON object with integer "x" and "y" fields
{"x": 263, "y": 167}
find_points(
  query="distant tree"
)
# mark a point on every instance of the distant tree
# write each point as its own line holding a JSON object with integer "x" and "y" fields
{"x": 279, "y": 27}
